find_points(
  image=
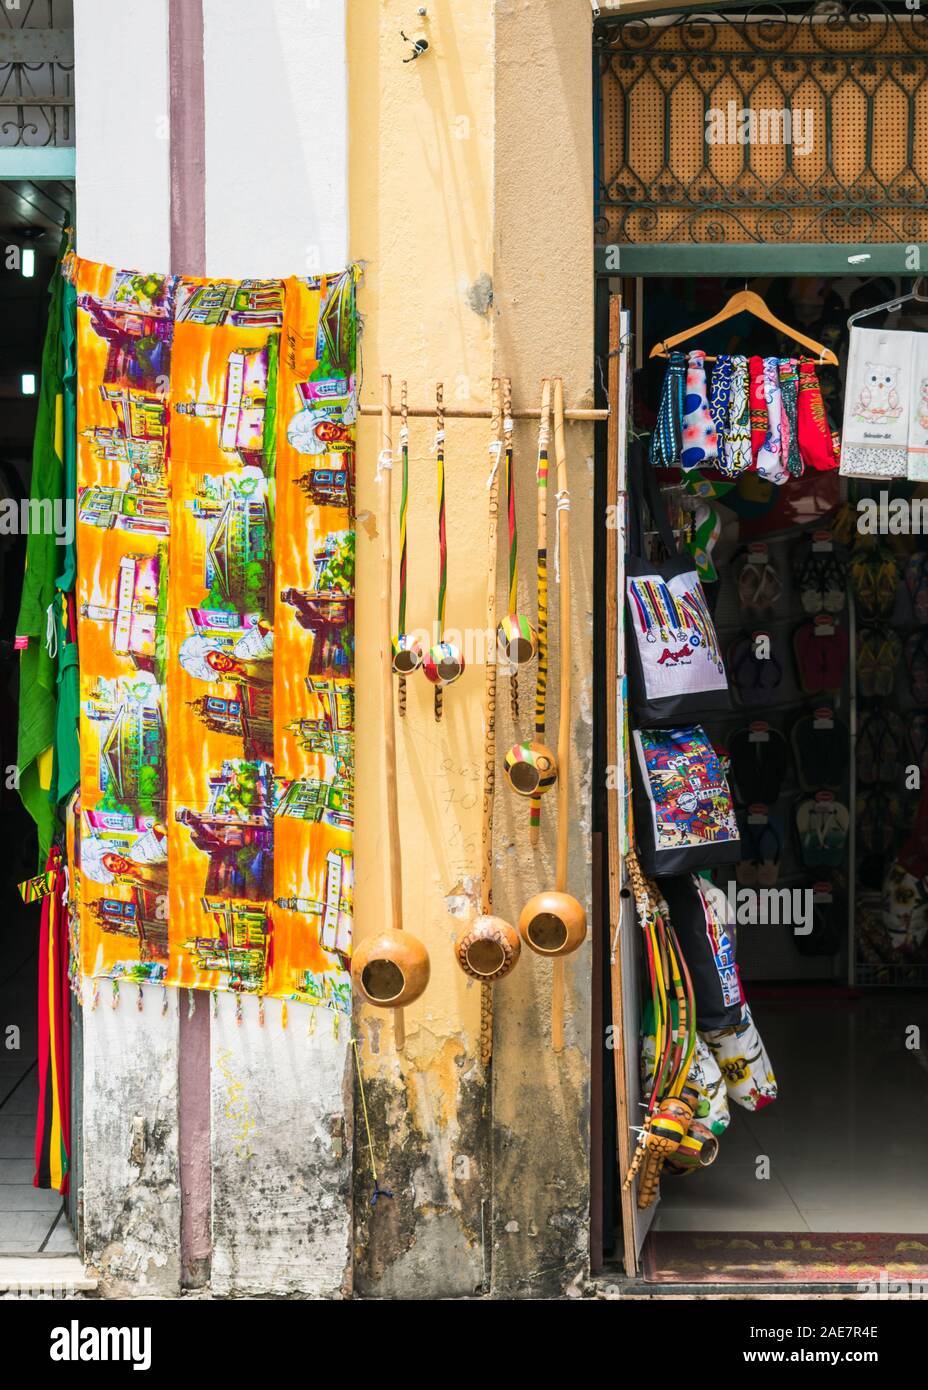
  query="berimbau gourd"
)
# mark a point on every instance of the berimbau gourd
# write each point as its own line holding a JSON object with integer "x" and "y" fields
{"x": 516, "y": 638}
{"x": 553, "y": 923}
{"x": 390, "y": 968}
{"x": 407, "y": 649}
{"x": 444, "y": 660}
{"x": 531, "y": 767}
{"x": 487, "y": 947}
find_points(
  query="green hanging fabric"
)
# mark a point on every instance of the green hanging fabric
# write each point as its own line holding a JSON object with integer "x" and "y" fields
{"x": 67, "y": 747}
{"x": 36, "y": 626}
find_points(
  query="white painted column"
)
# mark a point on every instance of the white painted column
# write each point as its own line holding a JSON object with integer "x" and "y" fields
{"x": 122, "y": 123}
{"x": 276, "y": 137}
{"x": 131, "y": 1193}
{"x": 276, "y": 204}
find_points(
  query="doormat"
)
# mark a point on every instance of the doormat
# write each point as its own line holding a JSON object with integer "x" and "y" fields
{"x": 758, "y": 1257}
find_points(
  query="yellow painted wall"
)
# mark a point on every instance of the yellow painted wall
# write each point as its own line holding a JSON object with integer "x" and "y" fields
{"x": 470, "y": 167}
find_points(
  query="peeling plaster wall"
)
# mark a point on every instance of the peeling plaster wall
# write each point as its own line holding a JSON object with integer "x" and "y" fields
{"x": 131, "y": 1192}
{"x": 471, "y": 190}
{"x": 421, "y": 159}
{"x": 543, "y": 305}
{"x": 281, "y": 1152}
{"x": 281, "y": 1127}
{"x": 276, "y": 203}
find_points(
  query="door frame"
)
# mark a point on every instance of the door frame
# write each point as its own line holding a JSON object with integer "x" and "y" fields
{"x": 615, "y": 267}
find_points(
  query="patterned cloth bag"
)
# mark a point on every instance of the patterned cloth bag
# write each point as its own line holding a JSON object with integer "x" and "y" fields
{"x": 744, "y": 1064}
{"x": 684, "y": 816}
{"x": 675, "y": 666}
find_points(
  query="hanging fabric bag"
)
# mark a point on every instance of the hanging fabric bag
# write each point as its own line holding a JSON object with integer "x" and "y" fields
{"x": 684, "y": 816}
{"x": 675, "y": 665}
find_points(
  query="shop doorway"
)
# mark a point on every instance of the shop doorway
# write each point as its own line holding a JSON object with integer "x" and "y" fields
{"x": 827, "y": 1184}
{"x": 33, "y": 1221}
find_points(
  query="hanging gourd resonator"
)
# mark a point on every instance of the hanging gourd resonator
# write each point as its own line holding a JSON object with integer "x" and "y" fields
{"x": 390, "y": 968}
{"x": 488, "y": 948}
{"x": 407, "y": 650}
{"x": 531, "y": 768}
{"x": 444, "y": 661}
{"x": 553, "y": 923}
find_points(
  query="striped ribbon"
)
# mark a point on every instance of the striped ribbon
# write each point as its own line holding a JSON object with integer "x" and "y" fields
{"x": 541, "y": 674}
{"x": 442, "y": 536}
{"x": 404, "y": 506}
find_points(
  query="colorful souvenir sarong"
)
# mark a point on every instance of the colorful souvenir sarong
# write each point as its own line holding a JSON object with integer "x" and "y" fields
{"x": 216, "y": 626}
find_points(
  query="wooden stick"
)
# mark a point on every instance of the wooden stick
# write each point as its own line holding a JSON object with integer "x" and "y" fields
{"x": 563, "y": 733}
{"x": 489, "y": 725}
{"x": 386, "y": 671}
{"x": 544, "y": 430}
{"x": 613, "y": 753}
{"x": 579, "y": 412}
{"x": 510, "y": 485}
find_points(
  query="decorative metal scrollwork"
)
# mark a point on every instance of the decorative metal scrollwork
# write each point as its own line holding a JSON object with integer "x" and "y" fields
{"x": 857, "y": 73}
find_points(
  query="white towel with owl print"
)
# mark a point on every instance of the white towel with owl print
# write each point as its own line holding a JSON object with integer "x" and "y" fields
{"x": 878, "y": 400}
{"x": 917, "y": 468}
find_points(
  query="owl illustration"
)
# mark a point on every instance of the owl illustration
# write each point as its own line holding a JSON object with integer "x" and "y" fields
{"x": 879, "y": 394}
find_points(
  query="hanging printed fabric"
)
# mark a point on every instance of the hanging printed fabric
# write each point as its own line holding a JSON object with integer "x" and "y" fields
{"x": 719, "y": 397}
{"x": 667, "y": 436}
{"x": 917, "y": 449}
{"x": 877, "y": 396}
{"x": 816, "y": 445}
{"x": 684, "y": 816}
{"x": 758, "y": 407}
{"x": 789, "y": 415}
{"x": 736, "y": 452}
{"x": 770, "y": 462}
{"x": 700, "y": 444}
{"x": 674, "y": 660}
{"x": 702, "y": 919}
{"x": 53, "y": 1119}
{"x": 215, "y": 584}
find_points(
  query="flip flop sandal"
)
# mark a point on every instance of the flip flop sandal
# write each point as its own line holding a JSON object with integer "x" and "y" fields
{"x": 822, "y": 827}
{"x": 759, "y": 586}
{"x": 878, "y": 654}
{"x": 916, "y": 581}
{"x": 881, "y": 740}
{"x": 820, "y": 752}
{"x": 916, "y": 661}
{"x": 754, "y": 680}
{"x": 821, "y": 657}
{"x": 759, "y": 759}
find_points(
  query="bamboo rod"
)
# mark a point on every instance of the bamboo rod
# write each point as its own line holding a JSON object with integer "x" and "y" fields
{"x": 541, "y": 489}
{"x": 386, "y": 672}
{"x": 563, "y": 734}
{"x": 613, "y": 753}
{"x": 489, "y": 726}
{"x": 423, "y": 413}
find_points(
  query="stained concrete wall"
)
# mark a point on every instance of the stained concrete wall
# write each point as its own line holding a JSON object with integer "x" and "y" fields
{"x": 543, "y": 302}
{"x": 421, "y": 166}
{"x": 280, "y": 1100}
{"x": 471, "y": 188}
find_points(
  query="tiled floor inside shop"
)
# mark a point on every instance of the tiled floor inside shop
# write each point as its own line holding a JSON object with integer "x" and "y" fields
{"x": 846, "y": 1138}
{"x": 32, "y": 1221}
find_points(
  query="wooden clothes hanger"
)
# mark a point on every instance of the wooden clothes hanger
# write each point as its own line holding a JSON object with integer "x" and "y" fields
{"x": 746, "y": 302}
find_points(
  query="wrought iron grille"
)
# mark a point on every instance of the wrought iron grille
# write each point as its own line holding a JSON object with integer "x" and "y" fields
{"x": 36, "y": 73}
{"x": 776, "y": 123}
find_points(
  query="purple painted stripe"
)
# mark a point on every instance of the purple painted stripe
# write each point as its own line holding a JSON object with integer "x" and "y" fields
{"x": 188, "y": 257}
